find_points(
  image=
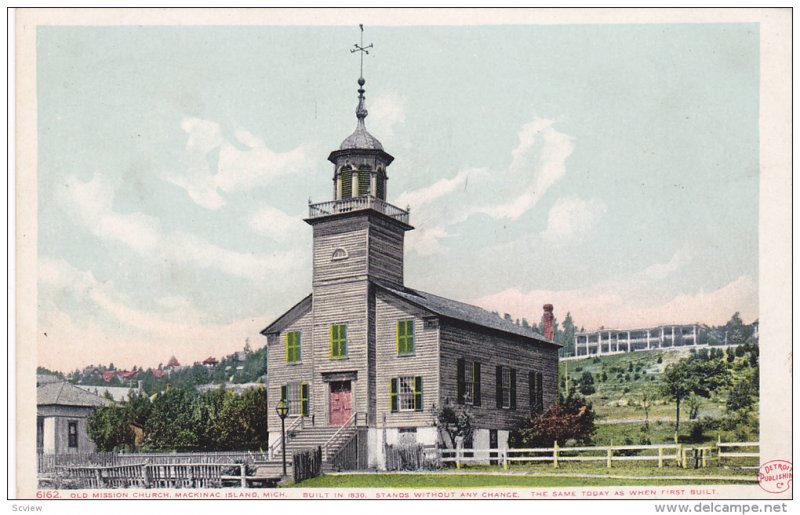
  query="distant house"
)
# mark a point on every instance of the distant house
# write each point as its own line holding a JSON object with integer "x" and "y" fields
{"x": 42, "y": 379}
{"x": 210, "y": 362}
{"x": 173, "y": 362}
{"x": 158, "y": 374}
{"x": 61, "y": 413}
{"x": 117, "y": 393}
{"x": 237, "y": 389}
{"x": 108, "y": 376}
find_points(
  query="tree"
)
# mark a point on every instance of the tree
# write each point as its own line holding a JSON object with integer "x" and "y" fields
{"x": 570, "y": 419}
{"x": 567, "y": 336}
{"x": 586, "y": 383}
{"x": 693, "y": 402}
{"x": 692, "y": 375}
{"x": 739, "y": 398}
{"x": 455, "y": 423}
{"x": 736, "y": 331}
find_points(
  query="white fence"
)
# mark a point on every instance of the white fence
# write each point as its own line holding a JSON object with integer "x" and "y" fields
{"x": 681, "y": 455}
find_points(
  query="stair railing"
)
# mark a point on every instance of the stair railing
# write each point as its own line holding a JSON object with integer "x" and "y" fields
{"x": 273, "y": 449}
{"x": 326, "y": 446}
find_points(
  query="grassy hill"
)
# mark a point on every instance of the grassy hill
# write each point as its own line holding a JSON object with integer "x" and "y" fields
{"x": 623, "y": 383}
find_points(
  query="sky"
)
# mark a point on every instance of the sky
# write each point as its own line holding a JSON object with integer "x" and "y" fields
{"x": 611, "y": 170}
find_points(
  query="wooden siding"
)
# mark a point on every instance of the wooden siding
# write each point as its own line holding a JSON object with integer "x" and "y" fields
{"x": 340, "y": 303}
{"x": 352, "y": 238}
{"x": 385, "y": 250}
{"x": 424, "y": 362}
{"x": 492, "y": 349}
{"x": 281, "y": 372}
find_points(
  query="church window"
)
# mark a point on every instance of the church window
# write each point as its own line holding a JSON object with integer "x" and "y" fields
{"x": 339, "y": 254}
{"x": 468, "y": 382}
{"x": 405, "y": 394}
{"x": 506, "y": 381}
{"x": 296, "y": 396}
{"x": 405, "y": 337}
{"x": 293, "y": 349}
{"x": 338, "y": 341}
{"x": 363, "y": 182}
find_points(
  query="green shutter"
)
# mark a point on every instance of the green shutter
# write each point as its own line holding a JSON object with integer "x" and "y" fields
{"x": 417, "y": 393}
{"x": 476, "y": 401}
{"x": 460, "y": 386}
{"x": 393, "y": 395}
{"x": 304, "y": 399}
{"x": 410, "y": 342}
{"x": 284, "y": 393}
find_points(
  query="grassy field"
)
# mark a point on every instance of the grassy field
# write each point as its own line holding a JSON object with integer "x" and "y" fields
{"x": 618, "y": 400}
{"x": 485, "y": 480}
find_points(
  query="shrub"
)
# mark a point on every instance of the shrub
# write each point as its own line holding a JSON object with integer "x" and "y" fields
{"x": 696, "y": 431}
{"x": 660, "y": 359}
{"x": 571, "y": 418}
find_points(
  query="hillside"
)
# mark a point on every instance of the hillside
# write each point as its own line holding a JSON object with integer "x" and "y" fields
{"x": 623, "y": 383}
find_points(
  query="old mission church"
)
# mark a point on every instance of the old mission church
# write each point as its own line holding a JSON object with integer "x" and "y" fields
{"x": 364, "y": 359}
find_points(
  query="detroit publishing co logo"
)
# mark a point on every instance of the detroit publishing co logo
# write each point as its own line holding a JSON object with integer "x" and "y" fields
{"x": 775, "y": 476}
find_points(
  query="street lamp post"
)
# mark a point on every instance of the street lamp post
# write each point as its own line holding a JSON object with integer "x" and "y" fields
{"x": 283, "y": 410}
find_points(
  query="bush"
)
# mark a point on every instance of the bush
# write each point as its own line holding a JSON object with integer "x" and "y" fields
{"x": 660, "y": 359}
{"x": 572, "y": 418}
{"x": 696, "y": 431}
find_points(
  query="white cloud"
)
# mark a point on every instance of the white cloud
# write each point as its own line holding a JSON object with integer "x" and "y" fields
{"x": 213, "y": 166}
{"x": 110, "y": 330}
{"x": 426, "y": 241}
{"x": 571, "y": 218}
{"x": 275, "y": 224}
{"x": 442, "y": 187}
{"x": 618, "y": 302}
{"x": 537, "y": 163}
{"x": 386, "y": 110}
{"x": 90, "y": 204}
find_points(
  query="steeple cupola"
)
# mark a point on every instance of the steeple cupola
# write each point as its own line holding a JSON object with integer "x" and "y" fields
{"x": 360, "y": 163}
{"x": 359, "y": 167}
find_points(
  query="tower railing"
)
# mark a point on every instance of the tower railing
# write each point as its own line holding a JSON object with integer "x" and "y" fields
{"x": 357, "y": 204}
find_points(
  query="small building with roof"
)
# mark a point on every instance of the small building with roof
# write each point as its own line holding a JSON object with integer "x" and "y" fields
{"x": 366, "y": 358}
{"x": 61, "y": 413}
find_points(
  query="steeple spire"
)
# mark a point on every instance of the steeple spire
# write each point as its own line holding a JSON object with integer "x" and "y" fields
{"x": 361, "y": 111}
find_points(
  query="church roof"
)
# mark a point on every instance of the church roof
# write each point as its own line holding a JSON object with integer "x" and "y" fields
{"x": 361, "y": 139}
{"x": 461, "y": 311}
{"x": 285, "y": 320}
{"x": 66, "y": 394}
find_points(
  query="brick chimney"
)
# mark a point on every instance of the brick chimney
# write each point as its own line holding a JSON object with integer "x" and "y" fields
{"x": 547, "y": 322}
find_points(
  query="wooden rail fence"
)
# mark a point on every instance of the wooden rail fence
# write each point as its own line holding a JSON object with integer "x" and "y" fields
{"x": 685, "y": 456}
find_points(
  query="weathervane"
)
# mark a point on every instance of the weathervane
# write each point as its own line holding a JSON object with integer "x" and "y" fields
{"x": 361, "y": 48}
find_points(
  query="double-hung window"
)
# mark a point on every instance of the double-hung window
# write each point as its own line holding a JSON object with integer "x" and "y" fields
{"x": 72, "y": 434}
{"x": 338, "y": 341}
{"x": 468, "y": 379}
{"x": 296, "y": 395}
{"x": 506, "y": 382}
{"x": 293, "y": 349}
{"x": 405, "y": 337}
{"x": 405, "y": 394}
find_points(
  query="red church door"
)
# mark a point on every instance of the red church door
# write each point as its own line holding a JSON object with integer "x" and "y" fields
{"x": 340, "y": 403}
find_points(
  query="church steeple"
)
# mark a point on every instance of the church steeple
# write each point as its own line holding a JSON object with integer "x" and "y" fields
{"x": 360, "y": 163}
